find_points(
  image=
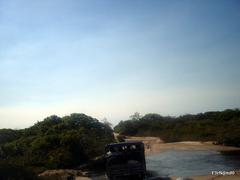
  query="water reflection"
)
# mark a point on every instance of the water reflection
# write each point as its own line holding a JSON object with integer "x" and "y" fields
{"x": 192, "y": 163}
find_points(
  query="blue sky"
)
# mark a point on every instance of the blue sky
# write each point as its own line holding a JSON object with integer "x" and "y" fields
{"x": 113, "y": 58}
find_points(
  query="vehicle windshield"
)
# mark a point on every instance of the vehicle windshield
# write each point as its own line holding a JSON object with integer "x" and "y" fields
{"x": 131, "y": 153}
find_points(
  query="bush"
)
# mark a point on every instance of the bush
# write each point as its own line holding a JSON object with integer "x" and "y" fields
{"x": 219, "y": 127}
{"x": 57, "y": 142}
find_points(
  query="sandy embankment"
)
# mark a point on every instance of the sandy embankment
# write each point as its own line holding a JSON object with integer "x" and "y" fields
{"x": 154, "y": 145}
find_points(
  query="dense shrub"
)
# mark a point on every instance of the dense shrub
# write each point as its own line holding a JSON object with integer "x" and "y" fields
{"x": 221, "y": 127}
{"x": 56, "y": 142}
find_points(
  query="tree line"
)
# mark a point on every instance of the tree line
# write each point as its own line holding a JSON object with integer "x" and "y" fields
{"x": 222, "y": 127}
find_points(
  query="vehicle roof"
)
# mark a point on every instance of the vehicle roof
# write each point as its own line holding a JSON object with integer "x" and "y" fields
{"x": 125, "y": 144}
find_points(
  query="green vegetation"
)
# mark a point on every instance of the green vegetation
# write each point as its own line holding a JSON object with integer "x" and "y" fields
{"x": 73, "y": 140}
{"x": 221, "y": 127}
{"x": 54, "y": 143}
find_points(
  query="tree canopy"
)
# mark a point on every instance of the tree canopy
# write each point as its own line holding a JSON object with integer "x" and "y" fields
{"x": 55, "y": 142}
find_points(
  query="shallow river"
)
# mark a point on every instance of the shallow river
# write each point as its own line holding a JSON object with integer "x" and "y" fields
{"x": 191, "y": 163}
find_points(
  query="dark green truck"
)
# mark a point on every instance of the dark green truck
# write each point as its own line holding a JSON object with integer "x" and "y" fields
{"x": 125, "y": 160}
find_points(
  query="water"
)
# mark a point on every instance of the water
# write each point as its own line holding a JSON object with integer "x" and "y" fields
{"x": 191, "y": 163}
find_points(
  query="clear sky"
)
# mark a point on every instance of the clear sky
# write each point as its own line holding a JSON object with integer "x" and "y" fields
{"x": 113, "y": 58}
